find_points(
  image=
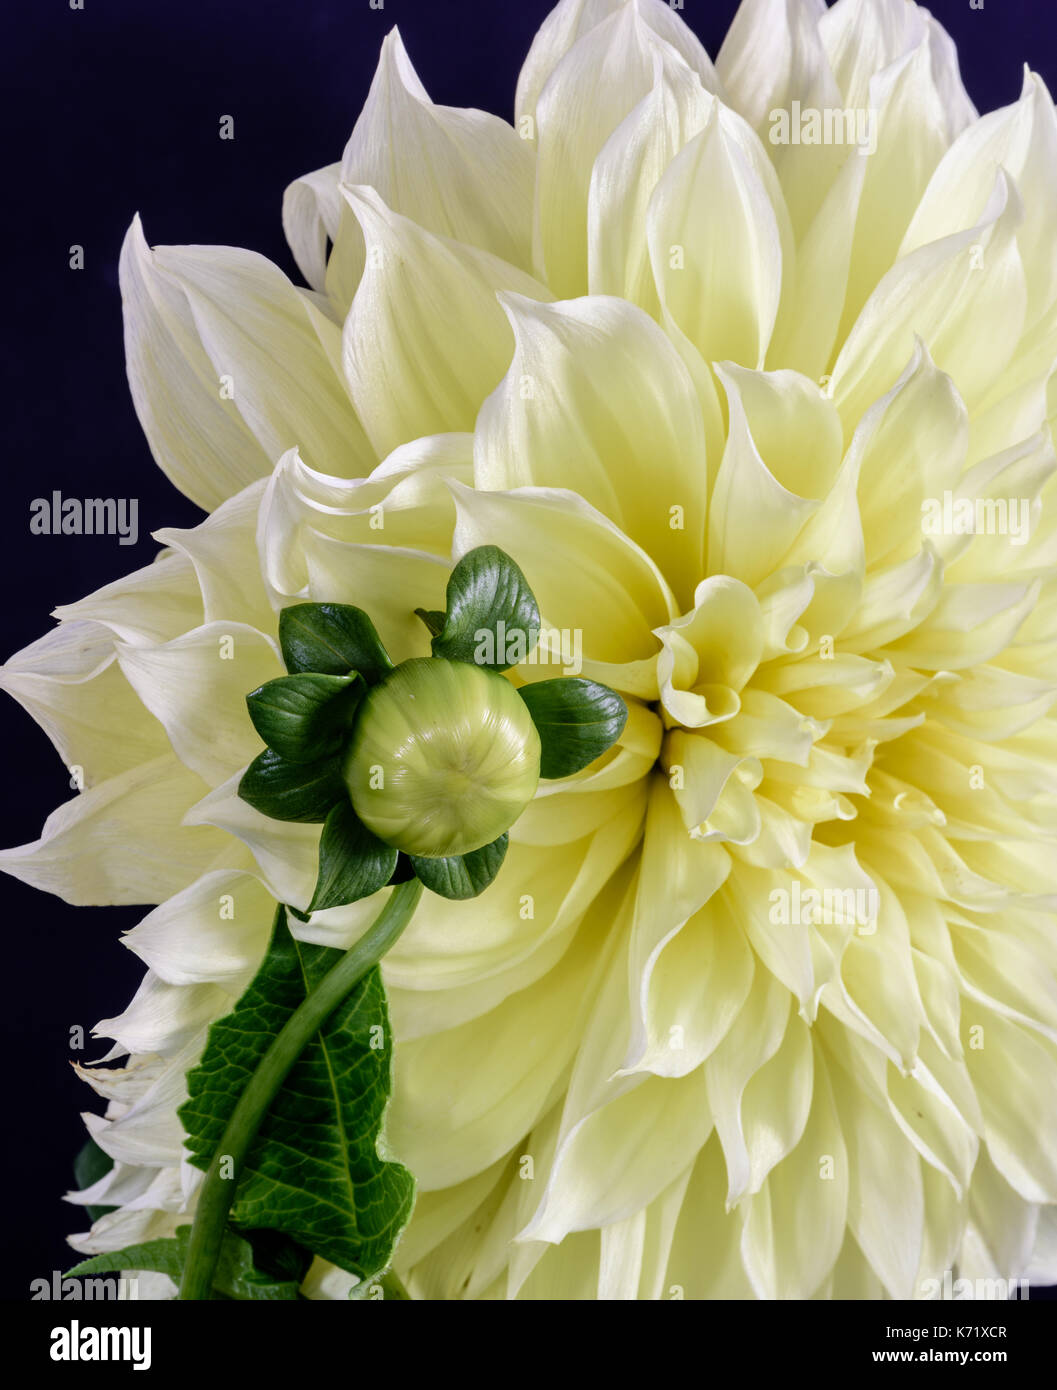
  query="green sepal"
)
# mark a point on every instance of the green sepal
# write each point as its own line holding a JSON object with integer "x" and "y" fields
{"x": 462, "y": 876}
{"x": 577, "y": 720}
{"x": 492, "y": 618}
{"x": 317, "y": 1171}
{"x": 333, "y": 639}
{"x": 305, "y": 717}
{"x": 353, "y": 863}
{"x": 292, "y": 791}
{"x": 237, "y": 1275}
{"x": 89, "y": 1166}
{"x": 434, "y": 621}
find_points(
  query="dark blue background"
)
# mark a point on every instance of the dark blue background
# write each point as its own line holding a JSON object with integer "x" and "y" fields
{"x": 115, "y": 109}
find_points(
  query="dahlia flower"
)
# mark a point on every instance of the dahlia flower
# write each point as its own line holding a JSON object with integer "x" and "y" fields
{"x": 762, "y": 1003}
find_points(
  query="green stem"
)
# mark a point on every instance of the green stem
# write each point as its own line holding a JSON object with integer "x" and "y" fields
{"x": 218, "y": 1192}
{"x": 393, "y": 1290}
{"x": 393, "y": 1287}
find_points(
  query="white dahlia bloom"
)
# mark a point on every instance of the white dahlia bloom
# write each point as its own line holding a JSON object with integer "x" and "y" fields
{"x": 762, "y": 1004}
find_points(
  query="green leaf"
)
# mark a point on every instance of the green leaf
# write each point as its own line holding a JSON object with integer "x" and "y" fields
{"x": 332, "y": 638}
{"x": 577, "y": 721}
{"x": 492, "y": 618}
{"x": 89, "y": 1166}
{"x": 304, "y": 718}
{"x": 237, "y": 1275}
{"x": 163, "y": 1256}
{"x": 353, "y": 862}
{"x": 462, "y": 875}
{"x": 278, "y": 1257}
{"x": 314, "y": 1171}
{"x": 292, "y": 791}
{"x": 434, "y": 621}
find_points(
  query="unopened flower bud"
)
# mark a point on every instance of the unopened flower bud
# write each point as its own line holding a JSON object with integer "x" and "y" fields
{"x": 444, "y": 759}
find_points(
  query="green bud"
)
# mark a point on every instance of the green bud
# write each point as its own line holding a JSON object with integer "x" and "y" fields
{"x": 444, "y": 758}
